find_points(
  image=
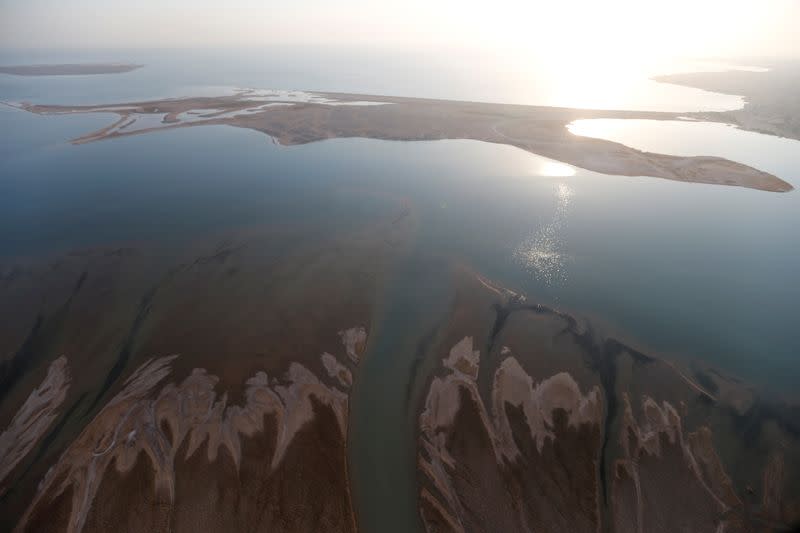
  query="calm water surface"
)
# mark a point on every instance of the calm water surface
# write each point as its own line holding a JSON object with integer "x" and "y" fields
{"x": 446, "y": 74}
{"x": 686, "y": 270}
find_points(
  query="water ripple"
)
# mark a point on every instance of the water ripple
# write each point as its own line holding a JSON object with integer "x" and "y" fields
{"x": 543, "y": 252}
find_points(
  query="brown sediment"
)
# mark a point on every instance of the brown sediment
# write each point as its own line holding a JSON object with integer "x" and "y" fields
{"x": 661, "y": 481}
{"x": 515, "y": 428}
{"x": 337, "y": 370}
{"x": 33, "y": 419}
{"x": 521, "y": 453}
{"x": 536, "y": 129}
{"x": 262, "y": 302}
{"x": 774, "y": 505}
{"x": 164, "y": 426}
{"x": 539, "y": 404}
{"x": 354, "y": 340}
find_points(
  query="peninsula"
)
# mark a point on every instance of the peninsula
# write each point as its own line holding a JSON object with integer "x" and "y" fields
{"x": 771, "y": 105}
{"x": 293, "y": 117}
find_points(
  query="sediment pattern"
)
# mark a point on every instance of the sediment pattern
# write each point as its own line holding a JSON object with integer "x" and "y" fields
{"x": 170, "y": 426}
{"x": 502, "y": 480}
{"x": 667, "y": 481}
{"x": 354, "y": 340}
{"x": 531, "y": 461}
{"x": 33, "y": 419}
{"x": 559, "y": 429}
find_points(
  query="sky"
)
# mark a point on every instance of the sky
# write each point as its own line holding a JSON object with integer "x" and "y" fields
{"x": 563, "y": 28}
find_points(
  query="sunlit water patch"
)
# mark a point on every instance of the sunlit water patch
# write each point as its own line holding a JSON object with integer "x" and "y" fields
{"x": 554, "y": 169}
{"x": 543, "y": 252}
{"x": 448, "y": 74}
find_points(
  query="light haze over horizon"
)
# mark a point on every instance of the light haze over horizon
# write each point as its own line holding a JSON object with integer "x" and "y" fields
{"x": 633, "y": 30}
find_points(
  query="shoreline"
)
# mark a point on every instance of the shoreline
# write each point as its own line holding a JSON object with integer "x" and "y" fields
{"x": 293, "y": 118}
{"x": 769, "y": 106}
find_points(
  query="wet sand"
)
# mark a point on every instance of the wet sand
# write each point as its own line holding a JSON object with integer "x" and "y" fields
{"x": 210, "y": 388}
{"x": 535, "y": 421}
{"x": 214, "y": 393}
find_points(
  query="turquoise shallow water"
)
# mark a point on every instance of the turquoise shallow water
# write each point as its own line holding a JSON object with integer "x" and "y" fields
{"x": 685, "y": 270}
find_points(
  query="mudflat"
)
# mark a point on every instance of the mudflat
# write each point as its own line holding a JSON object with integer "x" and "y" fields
{"x": 530, "y": 421}
{"x": 197, "y": 393}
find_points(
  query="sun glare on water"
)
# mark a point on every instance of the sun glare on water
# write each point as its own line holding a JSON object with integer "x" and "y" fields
{"x": 554, "y": 169}
{"x": 543, "y": 253}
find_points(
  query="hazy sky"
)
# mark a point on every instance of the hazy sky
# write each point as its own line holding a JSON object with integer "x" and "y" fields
{"x": 570, "y": 27}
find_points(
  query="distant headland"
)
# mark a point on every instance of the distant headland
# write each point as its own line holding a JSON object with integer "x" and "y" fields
{"x": 69, "y": 69}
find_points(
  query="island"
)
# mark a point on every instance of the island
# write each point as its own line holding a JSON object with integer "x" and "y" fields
{"x": 69, "y": 69}
{"x": 296, "y": 117}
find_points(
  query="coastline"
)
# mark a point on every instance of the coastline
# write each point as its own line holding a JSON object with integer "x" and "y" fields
{"x": 769, "y": 106}
{"x": 319, "y": 116}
